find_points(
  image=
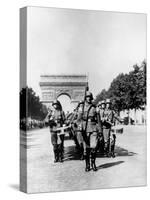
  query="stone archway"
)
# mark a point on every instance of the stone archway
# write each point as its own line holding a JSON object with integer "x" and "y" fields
{"x": 65, "y": 101}
{"x": 52, "y": 86}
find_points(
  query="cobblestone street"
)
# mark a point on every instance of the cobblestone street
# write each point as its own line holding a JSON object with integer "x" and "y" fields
{"x": 126, "y": 169}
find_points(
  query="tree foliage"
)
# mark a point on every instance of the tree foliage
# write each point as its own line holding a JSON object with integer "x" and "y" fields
{"x": 127, "y": 91}
{"x": 30, "y": 105}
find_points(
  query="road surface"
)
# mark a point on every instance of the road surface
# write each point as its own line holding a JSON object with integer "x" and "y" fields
{"x": 128, "y": 168}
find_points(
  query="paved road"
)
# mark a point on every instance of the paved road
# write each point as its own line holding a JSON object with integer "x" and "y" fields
{"x": 128, "y": 168}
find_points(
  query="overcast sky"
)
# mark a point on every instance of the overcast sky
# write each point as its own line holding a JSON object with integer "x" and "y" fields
{"x": 101, "y": 44}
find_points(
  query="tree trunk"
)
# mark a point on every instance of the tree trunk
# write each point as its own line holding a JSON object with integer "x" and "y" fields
{"x": 129, "y": 121}
{"x": 135, "y": 120}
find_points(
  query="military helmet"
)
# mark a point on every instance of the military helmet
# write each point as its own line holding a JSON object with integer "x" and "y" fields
{"x": 81, "y": 102}
{"x": 108, "y": 101}
{"x": 99, "y": 103}
{"x": 55, "y": 102}
{"x": 89, "y": 94}
{"x": 103, "y": 102}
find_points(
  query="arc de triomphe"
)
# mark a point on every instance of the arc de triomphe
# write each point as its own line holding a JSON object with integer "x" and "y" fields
{"x": 52, "y": 86}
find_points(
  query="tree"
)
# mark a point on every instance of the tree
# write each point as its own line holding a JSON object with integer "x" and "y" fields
{"x": 101, "y": 96}
{"x": 117, "y": 92}
{"x": 127, "y": 91}
{"x": 30, "y": 105}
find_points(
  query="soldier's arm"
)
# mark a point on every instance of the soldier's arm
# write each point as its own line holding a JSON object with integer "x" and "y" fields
{"x": 79, "y": 115}
{"x": 117, "y": 117}
{"x": 99, "y": 122}
{"x": 63, "y": 116}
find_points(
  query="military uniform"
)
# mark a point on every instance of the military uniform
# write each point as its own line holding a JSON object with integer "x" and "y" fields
{"x": 88, "y": 117}
{"x": 78, "y": 130}
{"x": 56, "y": 120}
{"x": 108, "y": 117}
{"x": 100, "y": 111}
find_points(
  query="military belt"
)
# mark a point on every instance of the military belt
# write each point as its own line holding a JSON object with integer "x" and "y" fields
{"x": 89, "y": 120}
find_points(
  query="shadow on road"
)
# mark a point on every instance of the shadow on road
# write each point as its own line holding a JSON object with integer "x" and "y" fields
{"x": 107, "y": 165}
{"x": 119, "y": 151}
{"x": 72, "y": 153}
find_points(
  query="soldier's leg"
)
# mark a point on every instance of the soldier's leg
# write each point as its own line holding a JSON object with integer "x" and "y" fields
{"x": 93, "y": 160}
{"x": 106, "y": 140}
{"x": 86, "y": 146}
{"x": 60, "y": 153}
{"x": 60, "y": 148}
{"x": 109, "y": 153}
{"x": 62, "y": 142}
{"x": 55, "y": 146}
{"x": 113, "y": 145}
{"x": 94, "y": 146}
{"x": 55, "y": 149}
{"x": 80, "y": 142}
{"x": 87, "y": 159}
{"x": 81, "y": 152}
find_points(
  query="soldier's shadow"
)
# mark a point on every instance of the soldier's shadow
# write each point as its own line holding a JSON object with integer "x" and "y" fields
{"x": 107, "y": 165}
{"x": 119, "y": 151}
{"x": 71, "y": 153}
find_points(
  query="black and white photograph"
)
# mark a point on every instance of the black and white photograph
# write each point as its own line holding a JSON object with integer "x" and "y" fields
{"x": 83, "y": 101}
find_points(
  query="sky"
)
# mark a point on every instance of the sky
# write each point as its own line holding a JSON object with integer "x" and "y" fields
{"x": 97, "y": 43}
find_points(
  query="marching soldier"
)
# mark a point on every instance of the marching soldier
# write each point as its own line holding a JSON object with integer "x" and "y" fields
{"x": 108, "y": 117}
{"x": 107, "y": 121}
{"x": 100, "y": 110}
{"x": 78, "y": 130}
{"x": 89, "y": 131}
{"x": 56, "y": 120}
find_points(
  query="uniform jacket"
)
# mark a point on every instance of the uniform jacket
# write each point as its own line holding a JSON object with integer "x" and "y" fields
{"x": 91, "y": 118}
{"x": 57, "y": 118}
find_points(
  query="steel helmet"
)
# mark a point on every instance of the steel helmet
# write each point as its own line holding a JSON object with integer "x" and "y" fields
{"x": 108, "y": 101}
{"x": 55, "y": 102}
{"x": 99, "y": 103}
{"x": 103, "y": 102}
{"x": 89, "y": 94}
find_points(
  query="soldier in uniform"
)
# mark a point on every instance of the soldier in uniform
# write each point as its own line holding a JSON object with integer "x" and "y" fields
{"x": 78, "y": 129}
{"x": 88, "y": 116}
{"x": 56, "y": 120}
{"x": 107, "y": 121}
{"x": 109, "y": 116}
{"x": 101, "y": 106}
{"x": 100, "y": 110}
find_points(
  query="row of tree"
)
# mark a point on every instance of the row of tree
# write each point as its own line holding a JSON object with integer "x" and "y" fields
{"x": 127, "y": 91}
{"x": 30, "y": 105}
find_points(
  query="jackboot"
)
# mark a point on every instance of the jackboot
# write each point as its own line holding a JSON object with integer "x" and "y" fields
{"x": 55, "y": 156}
{"x": 87, "y": 161}
{"x": 60, "y": 153}
{"x": 93, "y": 159}
{"x": 81, "y": 152}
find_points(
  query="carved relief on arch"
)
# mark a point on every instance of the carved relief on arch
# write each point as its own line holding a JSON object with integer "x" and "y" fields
{"x": 64, "y": 91}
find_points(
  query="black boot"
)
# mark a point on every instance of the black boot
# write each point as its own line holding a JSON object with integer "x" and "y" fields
{"x": 55, "y": 156}
{"x": 60, "y": 152}
{"x": 93, "y": 159}
{"x": 87, "y": 161}
{"x": 55, "y": 149}
{"x": 81, "y": 152}
{"x": 113, "y": 146}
